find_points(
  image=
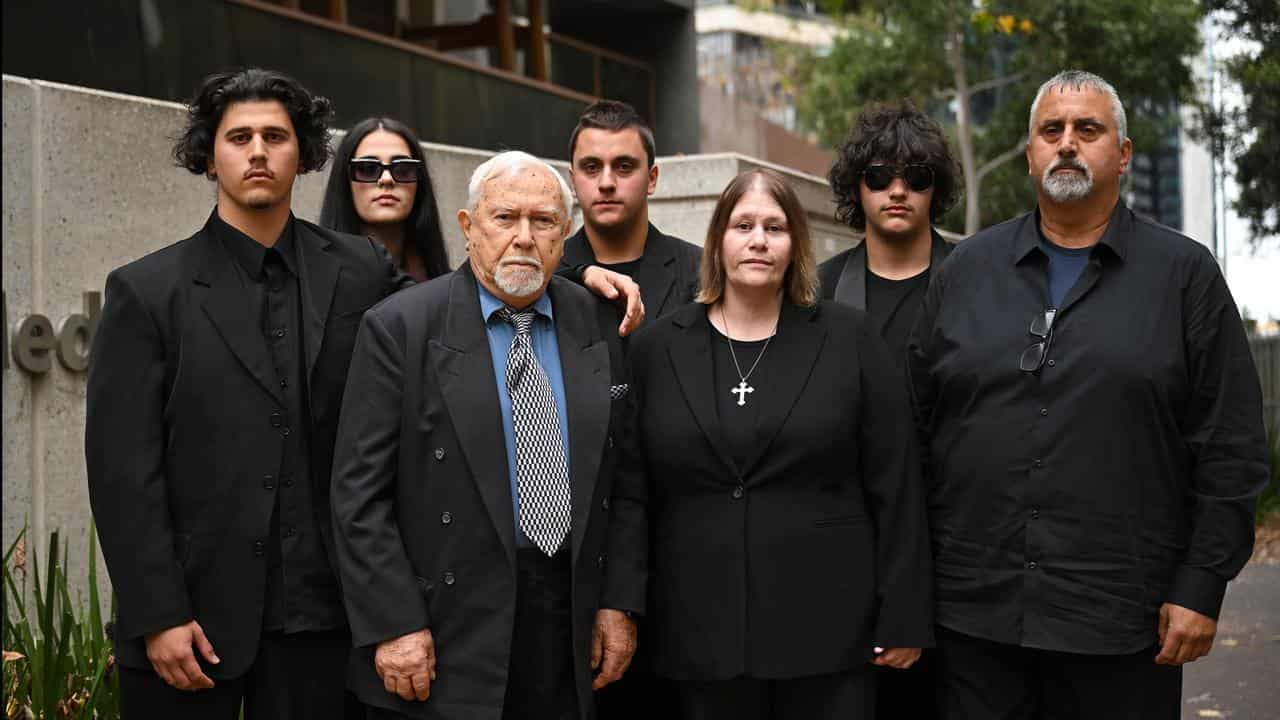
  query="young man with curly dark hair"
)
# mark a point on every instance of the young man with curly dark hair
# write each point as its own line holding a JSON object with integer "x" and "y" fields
{"x": 893, "y": 179}
{"x": 218, "y": 373}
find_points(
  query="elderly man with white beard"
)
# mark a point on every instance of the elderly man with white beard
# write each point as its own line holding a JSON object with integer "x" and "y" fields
{"x": 487, "y": 505}
{"x": 1092, "y": 420}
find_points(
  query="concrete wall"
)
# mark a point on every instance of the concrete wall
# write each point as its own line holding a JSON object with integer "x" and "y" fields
{"x": 89, "y": 185}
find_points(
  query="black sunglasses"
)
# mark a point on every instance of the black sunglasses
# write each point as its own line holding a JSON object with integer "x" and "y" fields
{"x": 1033, "y": 356}
{"x": 403, "y": 170}
{"x": 919, "y": 176}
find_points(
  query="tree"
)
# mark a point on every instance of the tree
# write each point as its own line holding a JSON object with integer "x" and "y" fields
{"x": 1252, "y": 134}
{"x": 978, "y": 66}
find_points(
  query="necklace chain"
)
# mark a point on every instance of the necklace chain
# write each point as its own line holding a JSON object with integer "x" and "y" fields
{"x": 728, "y": 335}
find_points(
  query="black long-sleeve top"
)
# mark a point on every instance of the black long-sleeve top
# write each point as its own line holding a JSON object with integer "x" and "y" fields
{"x": 1067, "y": 505}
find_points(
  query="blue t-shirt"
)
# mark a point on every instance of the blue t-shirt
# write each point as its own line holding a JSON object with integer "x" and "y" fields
{"x": 1065, "y": 266}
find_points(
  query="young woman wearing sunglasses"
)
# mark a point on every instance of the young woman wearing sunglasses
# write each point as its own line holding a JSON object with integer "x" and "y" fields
{"x": 379, "y": 186}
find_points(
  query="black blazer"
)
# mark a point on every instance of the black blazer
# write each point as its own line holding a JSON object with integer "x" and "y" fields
{"x": 668, "y": 271}
{"x": 423, "y": 521}
{"x": 817, "y": 548}
{"x": 178, "y": 433}
{"x": 844, "y": 276}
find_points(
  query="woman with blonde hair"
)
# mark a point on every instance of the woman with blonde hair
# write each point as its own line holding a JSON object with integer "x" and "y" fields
{"x": 789, "y": 548}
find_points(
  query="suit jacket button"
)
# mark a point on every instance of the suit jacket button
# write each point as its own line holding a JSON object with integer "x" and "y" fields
{"x": 600, "y": 561}
{"x": 259, "y": 548}
{"x": 610, "y": 442}
{"x": 269, "y": 482}
{"x": 449, "y": 579}
{"x": 737, "y": 492}
{"x": 276, "y": 419}
{"x": 439, "y": 453}
{"x": 605, "y": 503}
{"x": 446, "y": 518}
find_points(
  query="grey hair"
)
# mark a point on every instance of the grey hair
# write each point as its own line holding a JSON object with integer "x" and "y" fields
{"x": 1080, "y": 80}
{"x": 514, "y": 160}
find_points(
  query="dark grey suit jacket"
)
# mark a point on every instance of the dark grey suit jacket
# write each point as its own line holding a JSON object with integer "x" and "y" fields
{"x": 423, "y": 520}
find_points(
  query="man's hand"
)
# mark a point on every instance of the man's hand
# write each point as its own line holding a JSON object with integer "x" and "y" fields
{"x": 900, "y": 658}
{"x": 407, "y": 665}
{"x": 1185, "y": 635}
{"x": 613, "y": 642}
{"x": 174, "y": 661}
{"x": 616, "y": 286}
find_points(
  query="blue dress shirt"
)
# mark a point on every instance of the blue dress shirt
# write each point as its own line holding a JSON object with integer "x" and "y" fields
{"x": 547, "y": 350}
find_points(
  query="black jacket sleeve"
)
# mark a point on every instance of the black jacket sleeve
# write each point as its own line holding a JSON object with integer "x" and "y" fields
{"x": 896, "y": 496}
{"x": 379, "y": 586}
{"x": 124, "y": 455}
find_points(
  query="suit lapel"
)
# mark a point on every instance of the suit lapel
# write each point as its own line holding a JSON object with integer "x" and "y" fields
{"x": 786, "y": 370}
{"x": 851, "y": 288}
{"x": 691, "y": 361}
{"x": 584, "y": 360}
{"x": 319, "y": 276}
{"x": 464, "y": 369}
{"x": 228, "y": 307}
{"x": 656, "y": 273}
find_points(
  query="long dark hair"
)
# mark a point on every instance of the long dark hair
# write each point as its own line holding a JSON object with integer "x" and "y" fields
{"x": 422, "y": 226}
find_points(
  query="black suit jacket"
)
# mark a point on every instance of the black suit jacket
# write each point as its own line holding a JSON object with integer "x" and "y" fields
{"x": 423, "y": 521}
{"x": 844, "y": 276}
{"x": 179, "y": 433}
{"x": 817, "y": 548}
{"x": 668, "y": 271}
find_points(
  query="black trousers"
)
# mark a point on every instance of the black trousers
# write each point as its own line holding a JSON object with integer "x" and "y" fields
{"x": 984, "y": 680}
{"x": 848, "y": 695}
{"x": 540, "y": 683}
{"x": 640, "y": 694}
{"x": 294, "y": 677}
{"x": 910, "y": 693}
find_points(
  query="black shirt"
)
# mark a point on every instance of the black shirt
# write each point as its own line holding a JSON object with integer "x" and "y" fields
{"x": 893, "y": 306}
{"x": 301, "y": 590}
{"x": 627, "y": 268}
{"x": 1067, "y": 506}
{"x": 738, "y": 407}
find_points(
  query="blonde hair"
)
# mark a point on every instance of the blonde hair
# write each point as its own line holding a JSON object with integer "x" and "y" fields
{"x": 800, "y": 283}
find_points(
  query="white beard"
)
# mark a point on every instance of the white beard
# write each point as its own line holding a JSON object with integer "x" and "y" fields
{"x": 1067, "y": 187}
{"x": 519, "y": 279}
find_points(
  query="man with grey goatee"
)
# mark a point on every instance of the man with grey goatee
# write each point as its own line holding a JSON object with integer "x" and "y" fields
{"x": 487, "y": 508}
{"x": 1092, "y": 420}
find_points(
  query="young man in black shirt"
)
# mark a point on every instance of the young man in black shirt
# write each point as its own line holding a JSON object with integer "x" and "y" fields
{"x": 894, "y": 178}
{"x": 218, "y": 371}
{"x": 613, "y": 174}
{"x": 1095, "y": 435}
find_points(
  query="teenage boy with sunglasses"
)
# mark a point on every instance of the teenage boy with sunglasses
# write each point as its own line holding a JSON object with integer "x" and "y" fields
{"x": 1092, "y": 421}
{"x": 893, "y": 179}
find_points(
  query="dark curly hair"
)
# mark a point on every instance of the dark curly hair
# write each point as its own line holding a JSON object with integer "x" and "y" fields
{"x": 894, "y": 134}
{"x": 310, "y": 115}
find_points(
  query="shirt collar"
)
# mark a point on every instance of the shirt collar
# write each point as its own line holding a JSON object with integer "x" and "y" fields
{"x": 490, "y": 304}
{"x": 249, "y": 253}
{"x": 1114, "y": 240}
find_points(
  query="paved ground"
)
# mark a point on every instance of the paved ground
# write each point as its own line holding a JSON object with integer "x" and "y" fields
{"x": 1241, "y": 677}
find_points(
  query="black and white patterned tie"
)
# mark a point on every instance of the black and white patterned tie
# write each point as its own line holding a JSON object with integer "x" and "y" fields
{"x": 542, "y": 473}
